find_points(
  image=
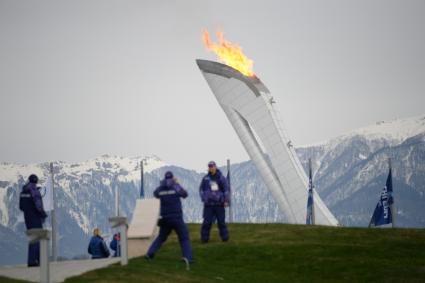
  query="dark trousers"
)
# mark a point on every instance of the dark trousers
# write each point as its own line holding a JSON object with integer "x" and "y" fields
{"x": 34, "y": 248}
{"x": 210, "y": 214}
{"x": 167, "y": 225}
{"x": 34, "y": 254}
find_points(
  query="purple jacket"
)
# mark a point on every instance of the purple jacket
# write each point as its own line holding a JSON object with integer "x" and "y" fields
{"x": 214, "y": 189}
{"x": 31, "y": 203}
{"x": 169, "y": 193}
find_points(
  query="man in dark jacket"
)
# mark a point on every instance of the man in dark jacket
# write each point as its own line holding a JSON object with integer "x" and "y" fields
{"x": 97, "y": 246}
{"x": 31, "y": 203}
{"x": 214, "y": 191}
{"x": 169, "y": 193}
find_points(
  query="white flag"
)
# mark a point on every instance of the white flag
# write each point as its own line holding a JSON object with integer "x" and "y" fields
{"x": 48, "y": 195}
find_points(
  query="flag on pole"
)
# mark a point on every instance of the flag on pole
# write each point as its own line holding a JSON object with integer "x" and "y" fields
{"x": 310, "y": 202}
{"x": 48, "y": 195}
{"x": 383, "y": 210}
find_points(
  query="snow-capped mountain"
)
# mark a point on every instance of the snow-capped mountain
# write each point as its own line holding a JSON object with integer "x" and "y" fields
{"x": 84, "y": 192}
{"x": 350, "y": 171}
{"x": 390, "y": 132}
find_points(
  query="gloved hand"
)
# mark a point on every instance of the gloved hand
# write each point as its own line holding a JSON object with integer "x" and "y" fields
{"x": 177, "y": 188}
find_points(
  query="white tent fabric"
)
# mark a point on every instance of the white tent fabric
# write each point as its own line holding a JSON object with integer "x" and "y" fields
{"x": 145, "y": 218}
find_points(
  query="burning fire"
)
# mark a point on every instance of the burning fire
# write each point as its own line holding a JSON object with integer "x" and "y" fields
{"x": 229, "y": 53}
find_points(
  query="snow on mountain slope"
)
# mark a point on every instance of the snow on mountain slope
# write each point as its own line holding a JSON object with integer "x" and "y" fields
{"x": 398, "y": 130}
{"x": 125, "y": 169}
{"x": 358, "y": 145}
{"x": 11, "y": 172}
{"x": 115, "y": 165}
{"x": 392, "y": 132}
{"x": 4, "y": 215}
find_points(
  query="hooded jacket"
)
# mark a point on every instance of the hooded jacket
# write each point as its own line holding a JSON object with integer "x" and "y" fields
{"x": 31, "y": 204}
{"x": 214, "y": 189}
{"x": 169, "y": 193}
{"x": 97, "y": 248}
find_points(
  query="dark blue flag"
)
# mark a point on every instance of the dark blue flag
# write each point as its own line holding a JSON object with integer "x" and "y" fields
{"x": 310, "y": 203}
{"x": 383, "y": 214}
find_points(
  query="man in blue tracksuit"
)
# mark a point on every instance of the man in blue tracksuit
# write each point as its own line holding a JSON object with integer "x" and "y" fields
{"x": 169, "y": 193}
{"x": 31, "y": 203}
{"x": 214, "y": 191}
{"x": 97, "y": 246}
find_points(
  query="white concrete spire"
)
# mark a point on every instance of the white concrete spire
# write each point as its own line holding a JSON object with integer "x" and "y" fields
{"x": 250, "y": 108}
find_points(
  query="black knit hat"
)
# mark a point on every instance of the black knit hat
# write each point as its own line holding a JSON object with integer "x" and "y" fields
{"x": 33, "y": 179}
{"x": 169, "y": 175}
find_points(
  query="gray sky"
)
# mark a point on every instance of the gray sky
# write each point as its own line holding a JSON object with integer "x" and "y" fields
{"x": 83, "y": 78}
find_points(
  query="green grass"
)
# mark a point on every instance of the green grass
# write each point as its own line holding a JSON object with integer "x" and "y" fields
{"x": 282, "y": 253}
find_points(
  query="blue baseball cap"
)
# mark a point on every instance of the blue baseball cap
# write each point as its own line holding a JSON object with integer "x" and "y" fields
{"x": 212, "y": 164}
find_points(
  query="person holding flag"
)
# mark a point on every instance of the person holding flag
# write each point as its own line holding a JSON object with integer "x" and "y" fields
{"x": 31, "y": 204}
{"x": 214, "y": 192}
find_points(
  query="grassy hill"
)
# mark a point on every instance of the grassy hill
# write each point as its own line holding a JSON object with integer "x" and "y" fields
{"x": 282, "y": 253}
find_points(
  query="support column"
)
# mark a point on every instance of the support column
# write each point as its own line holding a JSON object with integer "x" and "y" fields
{"x": 42, "y": 236}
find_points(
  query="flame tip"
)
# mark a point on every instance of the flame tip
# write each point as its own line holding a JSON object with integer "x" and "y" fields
{"x": 229, "y": 53}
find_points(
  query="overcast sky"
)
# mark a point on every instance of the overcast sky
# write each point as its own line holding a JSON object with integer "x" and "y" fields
{"x": 83, "y": 78}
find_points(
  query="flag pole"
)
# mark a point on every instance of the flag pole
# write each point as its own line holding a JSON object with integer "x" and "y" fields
{"x": 142, "y": 180}
{"x": 230, "y": 192}
{"x": 53, "y": 215}
{"x": 117, "y": 197}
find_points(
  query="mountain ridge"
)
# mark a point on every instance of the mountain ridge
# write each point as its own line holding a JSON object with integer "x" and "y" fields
{"x": 348, "y": 176}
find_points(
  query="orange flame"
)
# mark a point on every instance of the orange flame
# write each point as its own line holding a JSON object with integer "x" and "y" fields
{"x": 229, "y": 53}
